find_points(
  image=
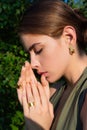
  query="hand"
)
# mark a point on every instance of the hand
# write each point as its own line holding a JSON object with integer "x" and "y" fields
{"x": 33, "y": 91}
{"x": 26, "y": 74}
{"x": 25, "y": 77}
{"x": 41, "y": 112}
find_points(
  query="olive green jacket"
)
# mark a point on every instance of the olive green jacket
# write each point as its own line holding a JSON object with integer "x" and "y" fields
{"x": 69, "y": 114}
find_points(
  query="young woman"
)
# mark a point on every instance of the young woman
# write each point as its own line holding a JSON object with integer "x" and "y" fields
{"x": 55, "y": 36}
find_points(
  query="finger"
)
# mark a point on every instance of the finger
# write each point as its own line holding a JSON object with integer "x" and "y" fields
{"x": 19, "y": 81}
{"x": 35, "y": 93}
{"x": 43, "y": 96}
{"x": 22, "y": 70}
{"x": 29, "y": 73}
{"x": 46, "y": 86}
{"x": 45, "y": 102}
{"x": 19, "y": 93}
{"x": 22, "y": 77}
{"x": 25, "y": 103}
{"x": 33, "y": 75}
{"x": 30, "y": 97}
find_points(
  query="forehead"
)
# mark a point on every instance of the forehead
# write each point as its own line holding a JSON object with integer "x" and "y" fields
{"x": 30, "y": 38}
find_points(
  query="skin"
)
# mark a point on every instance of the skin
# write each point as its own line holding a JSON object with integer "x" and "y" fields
{"x": 58, "y": 48}
{"x": 32, "y": 90}
{"x": 50, "y": 49}
{"x": 52, "y": 60}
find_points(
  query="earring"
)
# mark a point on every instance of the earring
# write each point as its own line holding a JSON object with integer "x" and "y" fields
{"x": 71, "y": 50}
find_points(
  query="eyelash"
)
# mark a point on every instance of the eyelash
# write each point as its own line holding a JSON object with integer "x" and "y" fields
{"x": 38, "y": 52}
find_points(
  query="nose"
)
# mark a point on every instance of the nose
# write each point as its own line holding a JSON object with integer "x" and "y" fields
{"x": 34, "y": 62}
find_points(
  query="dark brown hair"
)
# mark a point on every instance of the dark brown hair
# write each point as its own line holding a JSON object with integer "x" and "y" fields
{"x": 49, "y": 17}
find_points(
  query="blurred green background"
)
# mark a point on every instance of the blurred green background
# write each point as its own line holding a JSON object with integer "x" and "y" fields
{"x": 12, "y": 57}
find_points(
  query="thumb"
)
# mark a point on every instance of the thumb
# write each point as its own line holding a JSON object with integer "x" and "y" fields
{"x": 45, "y": 84}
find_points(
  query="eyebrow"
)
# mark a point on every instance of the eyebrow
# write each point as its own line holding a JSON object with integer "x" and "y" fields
{"x": 32, "y": 46}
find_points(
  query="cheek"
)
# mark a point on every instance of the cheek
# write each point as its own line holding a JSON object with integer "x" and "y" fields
{"x": 49, "y": 60}
{"x": 54, "y": 58}
{"x": 62, "y": 59}
{"x": 58, "y": 62}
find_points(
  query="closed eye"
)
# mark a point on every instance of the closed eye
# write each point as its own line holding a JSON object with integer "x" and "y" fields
{"x": 38, "y": 52}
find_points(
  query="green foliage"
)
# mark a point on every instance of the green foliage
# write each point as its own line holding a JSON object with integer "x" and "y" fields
{"x": 10, "y": 12}
{"x": 17, "y": 121}
{"x": 11, "y": 60}
{"x": 80, "y": 4}
{"x": 84, "y": 8}
{"x": 12, "y": 57}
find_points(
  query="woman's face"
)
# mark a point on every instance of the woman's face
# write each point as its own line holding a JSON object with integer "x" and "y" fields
{"x": 49, "y": 56}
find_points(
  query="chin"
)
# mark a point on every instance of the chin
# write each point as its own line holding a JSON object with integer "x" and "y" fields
{"x": 51, "y": 80}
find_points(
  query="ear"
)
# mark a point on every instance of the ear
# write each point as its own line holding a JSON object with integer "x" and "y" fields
{"x": 69, "y": 34}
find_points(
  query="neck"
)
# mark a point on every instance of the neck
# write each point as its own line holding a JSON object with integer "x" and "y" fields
{"x": 75, "y": 70}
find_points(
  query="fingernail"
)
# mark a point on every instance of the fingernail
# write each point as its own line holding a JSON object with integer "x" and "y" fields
{"x": 26, "y": 63}
{"x": 23, "y": 68}
{"x": 43, "y": 80}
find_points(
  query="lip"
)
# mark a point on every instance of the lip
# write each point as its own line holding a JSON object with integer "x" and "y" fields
{"x": 42, "y": 73}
